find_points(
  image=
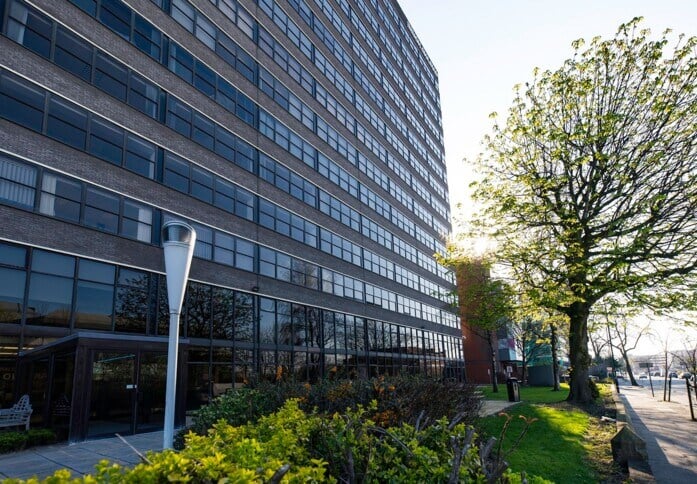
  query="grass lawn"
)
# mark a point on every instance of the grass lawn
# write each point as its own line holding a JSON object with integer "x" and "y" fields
{"x": 565, "y": 444}
{"x": 528, "y": 394}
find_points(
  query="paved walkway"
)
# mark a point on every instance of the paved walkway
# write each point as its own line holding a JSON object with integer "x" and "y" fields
{"x": 492, "y": 407}
{"x": 669, "y": 433}
{"x": 79, "y": 458}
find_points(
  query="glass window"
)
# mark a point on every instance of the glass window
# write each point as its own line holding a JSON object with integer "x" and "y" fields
{"x": 89, "y": 6}
{"x": 29, "y": 28}
{"x": 52, "y": 263}
{"x": 267, "y": 262}
{"x": 244, "y": 316}
{"x": 140, "y": 156}
{"x": 183, "y": 13}
{"x": 96, "y": 271}
{"x": 178, "y": 117}
{"x": 245, "y": 255}
{"x": 223, "y": 318}
{"x": 94, "y": 305}
{"x": 117, "y": 16}
{"x": 204, "y": 79}
{"x": 147, "y": 38}
{"x": 12, "y": 255}
{"x": 224, "y": 252}
{"x": 204, "y": 131}
{"x": 21, "y": 103}
{"x": 67, "y": 123}
{"x": 49, "y": 300}
{"x": 137, "y": 221}
{"x": 176, "y": 173}
{"x": 267, "y": 321}
{"x": 111, "y": 76}
{"x": 132, "y": 301}
{"x": 143, "y": 95}
{"x": 73, "y": 54}
{"x": 12, "y": 283}
{"x": 244, "y": 206}
{"x": 102, "y": 210}
{"x": 224, "y": 143}
{"x": 60, "y": 197}
{"x": 17, "y": 183}
{"x": 198, "y": 310}
{"x": 202, "y": 184}
{"x": 204, "y": 242}
{"x": 106, "y": 141}
{"x": 181, "y": 62}
{"x": 245, "y": 155}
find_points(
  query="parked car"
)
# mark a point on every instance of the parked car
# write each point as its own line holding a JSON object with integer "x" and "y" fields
{"x": 685, "y": 374}
{"x": 643, "y": 376}
{"x": 673, "y": 374}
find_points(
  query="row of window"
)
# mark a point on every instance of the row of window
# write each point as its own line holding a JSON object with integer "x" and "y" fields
{"x": 402, "y": 58}
{"x": 201, "y": 27}
{"x": 72, "y": 200}
{"x": 105, "y": 140}
{"x": 332, "y": 44}
{"x": 124, "y": 84}
{"x": 342, "y": 56}
{"x": 407, "y": 40}
{"x": 113, "y": 144}
{"x": 288, "y": 27}
{"x": 45, "y": 288}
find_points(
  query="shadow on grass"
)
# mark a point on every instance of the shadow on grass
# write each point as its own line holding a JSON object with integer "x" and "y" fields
{"x": 554, "y": 445}
{"x": 528, "y": 394}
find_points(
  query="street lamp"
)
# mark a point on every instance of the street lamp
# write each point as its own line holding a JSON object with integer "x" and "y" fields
{"x": 178, "y": 240}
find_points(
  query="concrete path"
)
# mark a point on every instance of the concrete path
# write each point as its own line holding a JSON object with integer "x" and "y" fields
{"x": 492, "y": 407}
{"x": 79, "y": 458}
{"x": 667, "y": 429}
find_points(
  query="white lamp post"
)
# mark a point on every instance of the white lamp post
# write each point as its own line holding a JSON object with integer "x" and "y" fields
{"x": 178, "y": 240}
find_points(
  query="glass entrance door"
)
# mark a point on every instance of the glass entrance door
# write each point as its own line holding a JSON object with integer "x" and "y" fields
{"x": 113, "y": 393}
{"x": 152, "y": 380}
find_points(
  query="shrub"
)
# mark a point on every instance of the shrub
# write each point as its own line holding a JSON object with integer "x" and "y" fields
{"x": 294, "y": 446}
{"x": 40, "y": 437}
{"x": 401, "y": 399}
{"x": 12, "y": 441}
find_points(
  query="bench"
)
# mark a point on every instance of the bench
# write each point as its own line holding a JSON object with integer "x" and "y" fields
{"x": 17, "y": 415}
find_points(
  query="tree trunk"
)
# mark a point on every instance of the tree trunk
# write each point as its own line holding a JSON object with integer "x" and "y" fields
{"x": 579, "y": 358}
{"x": 555, "y": 360}
{"x": 625, "y": 357}
{"x": 525, "y": 368}
{"x": 494, "y": 377}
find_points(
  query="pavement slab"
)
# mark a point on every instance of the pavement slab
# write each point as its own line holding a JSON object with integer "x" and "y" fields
{"x": 669, "y": 433}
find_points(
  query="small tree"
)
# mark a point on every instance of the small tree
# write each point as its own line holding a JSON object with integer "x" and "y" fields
{"x": 486, "y": 304}
{"x": 687, "y": 357}
{"x": 623, "y": 329}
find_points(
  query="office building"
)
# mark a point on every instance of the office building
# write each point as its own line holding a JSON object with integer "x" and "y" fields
{"x": 301, "y": 139}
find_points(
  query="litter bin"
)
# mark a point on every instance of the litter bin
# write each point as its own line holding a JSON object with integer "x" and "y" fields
{"x": 513, "y": 390}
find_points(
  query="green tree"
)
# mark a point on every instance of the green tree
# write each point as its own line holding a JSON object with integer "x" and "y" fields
{"x": 589, "y": 188}
{"x": 486, "y": 304}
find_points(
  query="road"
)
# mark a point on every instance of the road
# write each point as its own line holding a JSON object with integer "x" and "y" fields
{"x": 666, "y": 427}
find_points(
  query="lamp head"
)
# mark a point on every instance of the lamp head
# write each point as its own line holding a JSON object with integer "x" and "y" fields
{"x": 178, "y": 241}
